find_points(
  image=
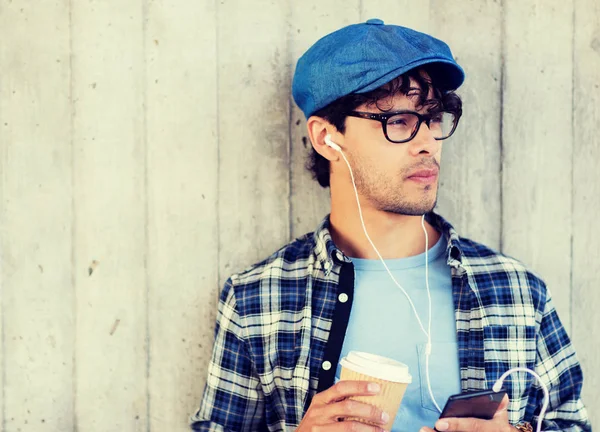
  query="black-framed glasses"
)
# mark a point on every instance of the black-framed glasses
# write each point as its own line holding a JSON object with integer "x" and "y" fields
{"x": 402, "y": 126}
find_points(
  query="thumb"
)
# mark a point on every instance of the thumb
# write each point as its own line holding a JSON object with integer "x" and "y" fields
{"x": 502, "y": 411}
{"x": 503, "y": 404}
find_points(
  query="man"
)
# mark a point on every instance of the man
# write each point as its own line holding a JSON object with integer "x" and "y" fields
{"x": 380, "y": 100}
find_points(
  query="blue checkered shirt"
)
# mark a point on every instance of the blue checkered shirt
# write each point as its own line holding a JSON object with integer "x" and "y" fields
{"x": 280, "y": 329}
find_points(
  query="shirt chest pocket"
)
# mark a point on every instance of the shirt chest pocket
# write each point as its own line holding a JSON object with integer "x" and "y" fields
{"x": 507, "y": 347}
{"x": 444, "y": 373}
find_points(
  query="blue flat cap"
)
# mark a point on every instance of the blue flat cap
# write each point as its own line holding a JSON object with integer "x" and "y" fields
{"x": 362, "y": 57}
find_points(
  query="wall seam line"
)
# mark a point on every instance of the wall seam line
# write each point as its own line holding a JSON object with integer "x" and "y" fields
{"x": 146, "y": 205}
{"x": 218, "y": 130}
{"x": 501, "y": 122}
{"x": 572, "y": 167}
{"x": 73, "y": 223}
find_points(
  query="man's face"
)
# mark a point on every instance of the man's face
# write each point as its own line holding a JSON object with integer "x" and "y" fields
{"x": 397, "y": 178}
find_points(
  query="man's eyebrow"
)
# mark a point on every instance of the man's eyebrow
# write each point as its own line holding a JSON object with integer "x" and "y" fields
{"x": 414, "y": 93}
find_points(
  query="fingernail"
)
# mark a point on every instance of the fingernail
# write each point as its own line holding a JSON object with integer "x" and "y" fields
{"x": 441, "y": 425}
{"x": 421, "y": 430}
{"x": 385, "y": 417}
{"x": 373, "y": 388}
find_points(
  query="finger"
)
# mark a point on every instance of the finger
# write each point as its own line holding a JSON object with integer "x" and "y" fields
{"x": 503, "y": 405}
{"x": 344, "y": 389}
{"x": 467, "y": 424}
{"x": 426, "y": 429}
{"x": 349, "y": 408}
{"x": 501, "y": 414}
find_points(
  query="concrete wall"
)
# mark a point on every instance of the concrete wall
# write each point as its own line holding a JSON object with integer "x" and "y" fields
{"x": 149, "y": 148}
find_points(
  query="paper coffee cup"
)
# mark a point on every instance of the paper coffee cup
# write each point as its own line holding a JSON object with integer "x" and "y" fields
{"x": 391, "y": 375}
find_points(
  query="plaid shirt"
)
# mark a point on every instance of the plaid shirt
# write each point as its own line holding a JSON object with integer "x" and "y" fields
{"x": 280, "y": 329}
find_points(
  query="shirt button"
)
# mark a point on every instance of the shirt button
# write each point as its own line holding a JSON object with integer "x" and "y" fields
{"x": 343, "y": 298}
{"x": 326, "y": 365}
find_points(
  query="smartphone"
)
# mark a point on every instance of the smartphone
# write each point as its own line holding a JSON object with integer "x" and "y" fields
{"x": 478, "y": 404}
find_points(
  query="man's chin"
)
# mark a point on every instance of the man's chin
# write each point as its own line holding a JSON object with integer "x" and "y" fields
{"x": 410, "y": 210}
{"x": 416, "y": 208}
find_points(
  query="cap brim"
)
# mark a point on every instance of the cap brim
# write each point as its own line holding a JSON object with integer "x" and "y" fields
{"x": 447, "y": 75}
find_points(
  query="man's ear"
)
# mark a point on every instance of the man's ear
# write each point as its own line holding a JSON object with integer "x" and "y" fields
{"x": 318, "y": 129}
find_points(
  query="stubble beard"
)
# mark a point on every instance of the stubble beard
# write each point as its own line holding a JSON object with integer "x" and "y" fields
{"x": 389, "y": 197}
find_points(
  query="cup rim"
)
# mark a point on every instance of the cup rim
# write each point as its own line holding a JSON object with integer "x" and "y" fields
{"x": 377, "y": 366}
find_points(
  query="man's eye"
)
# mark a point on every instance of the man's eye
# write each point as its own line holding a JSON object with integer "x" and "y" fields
{"x": 402, "y": 121}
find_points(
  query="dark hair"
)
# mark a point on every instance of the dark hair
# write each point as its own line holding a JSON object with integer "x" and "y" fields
{"x": 336, "y": 112}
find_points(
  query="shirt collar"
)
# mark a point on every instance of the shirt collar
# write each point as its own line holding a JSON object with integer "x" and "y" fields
{"x": 327, "y": 252}
{"x": 454, "y": 251}
{"x": 325, "y": 248}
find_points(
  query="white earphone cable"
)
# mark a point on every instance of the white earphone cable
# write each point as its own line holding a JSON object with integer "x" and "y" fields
{"x": 428, "y": 347}
{"x": 498, "y": 385}
{"x": 377, "y": 251}
{"x": 428, "y": 332}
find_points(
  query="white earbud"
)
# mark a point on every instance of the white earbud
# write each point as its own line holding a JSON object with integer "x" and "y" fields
{"x": 331, "y": 143}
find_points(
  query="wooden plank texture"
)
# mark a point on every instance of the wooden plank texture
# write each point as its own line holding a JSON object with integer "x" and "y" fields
{"x": 414, "y": 15}
{"x": 586, "y": 200}
{"x": 470, "y": 193}
{"x": 110, "y": 215}
{"x": 150, "y": 149}
{"x": 36, "y": 217}
{"x": 311, "y": 20}
{"x": 538, "y": 142}
{"x": 182, "y": 193}
{"x": 253, "y": 107}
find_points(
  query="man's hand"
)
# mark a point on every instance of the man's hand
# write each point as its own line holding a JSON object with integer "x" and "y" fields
{"x": 498, "y": 424}
{"x": 328, "y": 409}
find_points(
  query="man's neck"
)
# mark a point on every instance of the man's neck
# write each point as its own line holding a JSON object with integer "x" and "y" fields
{"x": 394, "y": 235}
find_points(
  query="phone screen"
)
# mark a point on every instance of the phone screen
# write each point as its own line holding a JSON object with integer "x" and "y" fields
{"x": 482, "y": 405}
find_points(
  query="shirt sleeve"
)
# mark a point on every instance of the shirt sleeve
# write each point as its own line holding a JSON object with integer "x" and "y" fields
{"x": 560, "y": 370}
{"x": 233, "y": 399}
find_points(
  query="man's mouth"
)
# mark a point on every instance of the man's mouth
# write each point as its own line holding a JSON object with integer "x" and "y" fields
{"x": 424, "y": 175}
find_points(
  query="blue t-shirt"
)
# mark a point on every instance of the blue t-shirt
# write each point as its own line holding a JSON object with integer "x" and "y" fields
{"x": 382, "y": 322}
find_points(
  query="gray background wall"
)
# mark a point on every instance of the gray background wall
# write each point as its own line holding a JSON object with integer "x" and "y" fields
{"x": 149, "y": 148}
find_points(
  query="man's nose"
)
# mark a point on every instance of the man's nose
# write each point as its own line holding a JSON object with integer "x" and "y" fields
{"x": 424, "y": 142}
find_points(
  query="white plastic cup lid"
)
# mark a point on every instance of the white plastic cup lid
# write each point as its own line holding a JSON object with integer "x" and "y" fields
{"x": 377, "y": 366}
